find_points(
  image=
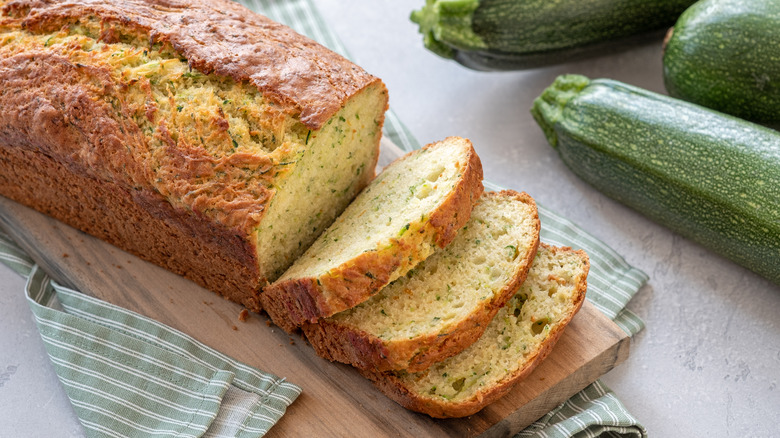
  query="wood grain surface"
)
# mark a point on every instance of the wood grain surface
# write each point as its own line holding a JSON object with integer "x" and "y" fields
{"x": 336, "y": 400}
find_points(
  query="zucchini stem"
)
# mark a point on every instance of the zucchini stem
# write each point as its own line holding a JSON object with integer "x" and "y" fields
{"x": 446, "y": 25}
{"x": 547, "y": 108}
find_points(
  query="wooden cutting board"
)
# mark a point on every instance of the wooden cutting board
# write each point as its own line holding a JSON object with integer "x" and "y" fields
{"x": 336, "y": 400}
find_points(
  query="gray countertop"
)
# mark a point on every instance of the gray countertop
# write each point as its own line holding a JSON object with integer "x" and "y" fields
{"x": 708, "y": 363}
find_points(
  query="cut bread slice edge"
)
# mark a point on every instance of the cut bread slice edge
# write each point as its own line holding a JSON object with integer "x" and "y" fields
{"x": 520, "y": 336}
{"x": 417, "y": 203}
{"x": 445, "y": 303}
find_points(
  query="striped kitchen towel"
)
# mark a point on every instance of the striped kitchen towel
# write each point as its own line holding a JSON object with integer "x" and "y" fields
{"x": 129, "y": 376}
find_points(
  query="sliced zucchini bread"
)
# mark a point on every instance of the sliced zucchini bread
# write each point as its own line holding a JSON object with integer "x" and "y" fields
{"x": 444, "y": 304}
{"x": 418, "y": 202}
{"x": 520, "y": 336}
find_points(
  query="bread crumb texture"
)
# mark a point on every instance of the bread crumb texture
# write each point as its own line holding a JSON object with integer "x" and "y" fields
{"x": 396, "y": 205}
{"x": 518, "y": 332}
{"x": 457, "y": 281}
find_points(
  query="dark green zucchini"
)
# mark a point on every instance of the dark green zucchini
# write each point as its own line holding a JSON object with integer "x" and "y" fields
{"x": 711, "y": 177}
{"x": 517, "y": 34}
{"x": 725, "y": 55}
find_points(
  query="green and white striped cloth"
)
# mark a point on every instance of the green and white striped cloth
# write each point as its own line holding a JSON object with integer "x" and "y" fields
{"x": 127, "y": 375}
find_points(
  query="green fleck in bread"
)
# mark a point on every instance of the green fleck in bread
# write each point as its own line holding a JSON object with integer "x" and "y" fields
{"x": 417, "y": 203}
{"x": 198, "y": 135}
{"x": 445, "y": 303}
{"x": 520, "y": 336}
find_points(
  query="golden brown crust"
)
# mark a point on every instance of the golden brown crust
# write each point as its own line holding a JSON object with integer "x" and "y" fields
{"x": 343, "y": 343}
{"x": 63, "y": 111}
{"x": 394, "y": 388}
{"x": 293, "y": 302}
{"x": 140, "y": 222}
{"x": 225, "y": 38}
{"x": 74, "y": 115}
{"x": 55, "y": 107}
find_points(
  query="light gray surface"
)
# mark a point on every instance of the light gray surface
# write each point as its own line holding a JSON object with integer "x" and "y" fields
{"x": 708, "y": 363}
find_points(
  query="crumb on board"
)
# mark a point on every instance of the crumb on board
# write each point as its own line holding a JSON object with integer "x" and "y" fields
{"x": 269, "y": 323}
{"x": 235, "y": 329}
{"x": 65, "y": 255}
{"x": 243, "y": 315}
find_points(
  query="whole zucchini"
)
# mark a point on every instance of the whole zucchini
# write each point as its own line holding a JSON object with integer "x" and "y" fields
{"x": 516, "y": 34}
{"x": 706, "y": 175}
{"x": 725, "y": 55}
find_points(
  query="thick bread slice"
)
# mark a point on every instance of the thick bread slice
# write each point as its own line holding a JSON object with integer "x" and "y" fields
{"x": 445, "y": 303}
{"x": 419, "y": 201}
{"x": 520, "y": 336}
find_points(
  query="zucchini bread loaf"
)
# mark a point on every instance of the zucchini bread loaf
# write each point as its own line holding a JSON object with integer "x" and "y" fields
{"x": 198, "y": 135}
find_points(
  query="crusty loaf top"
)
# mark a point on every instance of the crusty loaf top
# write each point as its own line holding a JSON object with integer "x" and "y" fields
{"x": 74, "y": 88}
{"x": 224, "y": 38}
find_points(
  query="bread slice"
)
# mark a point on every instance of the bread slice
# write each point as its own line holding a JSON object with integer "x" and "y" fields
{"x": 444, "y": 304}
{"x": 416, "y": 203}
{"x": 520, "y": 336}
